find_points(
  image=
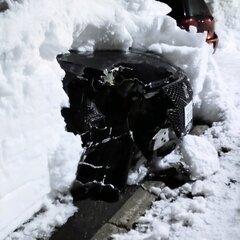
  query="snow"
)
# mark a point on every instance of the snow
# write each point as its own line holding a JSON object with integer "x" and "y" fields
{"x": 200, "y": 156}
{"x": 53, "y": 214}
{"x": 38, "y": 159}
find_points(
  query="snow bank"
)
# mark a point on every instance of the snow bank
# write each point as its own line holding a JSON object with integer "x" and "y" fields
{"x": 200, "y": 156}
{"x": 37, "y": 156}
{"x": 32, "y": 129}
{"x": 227, "y": 18}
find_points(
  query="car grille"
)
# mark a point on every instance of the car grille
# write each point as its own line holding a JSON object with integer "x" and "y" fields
{"x": 180, "y": 94}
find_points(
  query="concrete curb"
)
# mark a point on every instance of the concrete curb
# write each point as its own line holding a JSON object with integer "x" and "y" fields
{"x": 128, "y": 214}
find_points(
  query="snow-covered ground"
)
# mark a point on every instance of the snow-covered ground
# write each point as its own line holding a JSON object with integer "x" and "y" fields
{"x": 38, "y": 158}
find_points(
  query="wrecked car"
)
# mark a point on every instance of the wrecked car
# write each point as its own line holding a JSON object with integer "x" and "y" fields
{"x": 122, "y": 103}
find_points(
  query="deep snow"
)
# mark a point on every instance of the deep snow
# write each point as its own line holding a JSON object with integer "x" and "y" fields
{"x": 38, "y": 158}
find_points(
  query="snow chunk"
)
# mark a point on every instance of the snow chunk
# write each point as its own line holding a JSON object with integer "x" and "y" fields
{"x": 136, "y": 176}
{"x": 152, "y": 229}
{"x": 168, "y": 193}
{"x": 202, "y": 188}
{"x": 179, "y": 214}
{"x": 198, "y": 205}
{"x": 161, "y": 230}
{"x": 156, "y": 191}
{"x": 200, "y": 156}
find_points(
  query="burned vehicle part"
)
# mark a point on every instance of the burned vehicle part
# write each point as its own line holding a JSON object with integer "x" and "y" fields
{"x": 122, "y": 103}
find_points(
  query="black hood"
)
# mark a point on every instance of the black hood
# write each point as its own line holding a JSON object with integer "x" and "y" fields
{"x": 147, "y": 67}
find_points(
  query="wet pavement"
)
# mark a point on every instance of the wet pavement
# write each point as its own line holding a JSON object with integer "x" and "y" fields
{"x": 91, "y": 216}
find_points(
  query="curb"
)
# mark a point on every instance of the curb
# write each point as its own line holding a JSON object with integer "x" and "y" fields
{"x": 129, "y": 213}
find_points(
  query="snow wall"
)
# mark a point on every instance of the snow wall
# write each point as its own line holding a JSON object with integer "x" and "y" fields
{"x": 38, "y": 158}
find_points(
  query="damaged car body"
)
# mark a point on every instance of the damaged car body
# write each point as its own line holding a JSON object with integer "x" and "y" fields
{"x": 122, "y": 103}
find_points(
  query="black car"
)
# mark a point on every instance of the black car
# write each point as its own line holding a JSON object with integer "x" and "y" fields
{"x": 194, "y": 13}
{"x": 122, "y": 103}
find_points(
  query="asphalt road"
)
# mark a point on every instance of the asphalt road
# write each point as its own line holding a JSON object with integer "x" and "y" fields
{"x": 91, "y": 216}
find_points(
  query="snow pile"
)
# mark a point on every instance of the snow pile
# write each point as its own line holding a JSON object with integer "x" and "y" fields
{"x": 200, "y": 156}
{"x": 228, "y": 24}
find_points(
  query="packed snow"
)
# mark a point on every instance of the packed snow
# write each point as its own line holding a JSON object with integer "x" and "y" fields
{"x": 38, "y": 159}
{"x": 200, "y": 156}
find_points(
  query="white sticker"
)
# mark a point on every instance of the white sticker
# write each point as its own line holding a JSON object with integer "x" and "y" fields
{"x": 160, "y": 138}
{"x": 188, "y": 112}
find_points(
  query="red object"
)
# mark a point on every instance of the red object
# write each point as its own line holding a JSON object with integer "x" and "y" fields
{"x": 202, "y": 25}
{"x": 194, "y": 13}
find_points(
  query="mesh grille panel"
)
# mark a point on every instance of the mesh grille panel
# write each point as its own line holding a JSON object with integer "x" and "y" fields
{"x": 180, "y": 94}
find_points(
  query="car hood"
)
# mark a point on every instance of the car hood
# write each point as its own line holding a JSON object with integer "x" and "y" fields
{"x": 150, "y": 69}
